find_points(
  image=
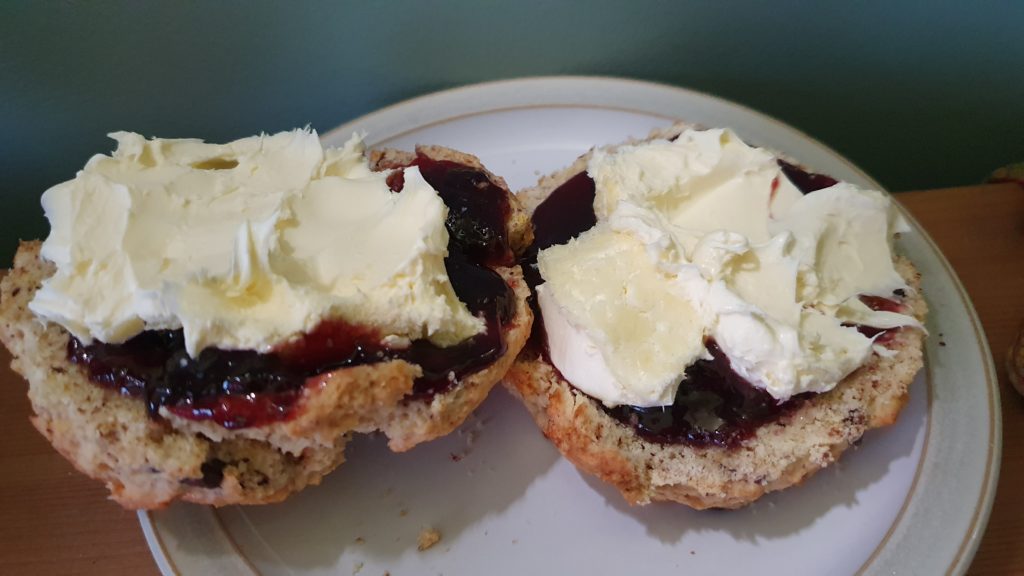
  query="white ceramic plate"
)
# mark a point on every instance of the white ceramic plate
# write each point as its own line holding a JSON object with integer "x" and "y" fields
{"x": 912, "y": 499}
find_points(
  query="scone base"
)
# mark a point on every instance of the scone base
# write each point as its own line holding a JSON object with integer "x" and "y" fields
{"x": 147, "y": 462}
{"x": 779, "y": 454}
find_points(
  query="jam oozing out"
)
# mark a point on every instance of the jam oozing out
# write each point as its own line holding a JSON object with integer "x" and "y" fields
{"x": 714, "y": 406}
{"x": 237, "y": 388}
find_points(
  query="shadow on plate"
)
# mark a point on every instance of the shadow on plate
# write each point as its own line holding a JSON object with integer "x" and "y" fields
{"x": 377, "y": 502}
{"x": 497, "y": 472}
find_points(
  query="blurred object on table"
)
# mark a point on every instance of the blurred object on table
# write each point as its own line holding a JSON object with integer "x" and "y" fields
{"x": 1009, "y": 173}
{"x": 1015, "y": 362}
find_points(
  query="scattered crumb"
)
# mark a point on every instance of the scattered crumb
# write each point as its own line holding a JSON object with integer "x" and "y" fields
{"x": 693, "y": 552}
{"x": 515, "y": 541}
{"x": 360, "y": 540}
{"x": 942, "y": 342}
{"x": 387, "y": 574}
{"x": 357, "y": 568}
{"x": 428, "y": 537}
{"x": 403, "y": 512}
{"x": 470, "y": 430}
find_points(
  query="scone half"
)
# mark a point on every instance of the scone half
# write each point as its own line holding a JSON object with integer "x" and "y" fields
{"x": 803, "y": 438}
{"x": 149, "y": 458}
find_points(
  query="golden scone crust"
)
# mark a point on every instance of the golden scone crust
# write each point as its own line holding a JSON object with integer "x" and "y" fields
{"x": 778, "y": 455}
{"x": 147, "y": 463}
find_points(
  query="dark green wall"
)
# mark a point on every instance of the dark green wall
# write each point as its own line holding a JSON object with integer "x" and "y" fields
{"x": 920, "y": 94}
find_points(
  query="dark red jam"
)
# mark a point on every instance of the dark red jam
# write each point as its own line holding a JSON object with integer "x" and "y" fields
{"x": 477, "y": 210}
{"x": 805, "y": 181}
{"x": 238, "y": 388}
{"x": 564, "y": 215}
{"x": 714, "y": 405}
{"x": 878, "y": 303}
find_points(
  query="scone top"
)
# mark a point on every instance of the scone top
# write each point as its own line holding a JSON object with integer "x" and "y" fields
{"x": 704, "y": 238}
{"x": 246, "y": 244}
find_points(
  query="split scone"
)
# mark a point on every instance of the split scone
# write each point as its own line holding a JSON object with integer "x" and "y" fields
{"x": 715, "y": 322}
{"x": 212, "y": 322}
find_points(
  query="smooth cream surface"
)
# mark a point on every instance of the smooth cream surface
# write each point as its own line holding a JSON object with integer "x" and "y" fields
{"x": 246, "y": 244}
{"x": 769, "y": 273}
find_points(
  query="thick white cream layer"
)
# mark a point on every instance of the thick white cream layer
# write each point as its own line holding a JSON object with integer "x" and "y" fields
{"x": 645, "y": 329}
{"x": 246, "y": 244}
{"x": 767, "y": 272}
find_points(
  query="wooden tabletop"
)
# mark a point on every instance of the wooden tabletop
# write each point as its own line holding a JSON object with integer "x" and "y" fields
{"x": 55, "y": 521}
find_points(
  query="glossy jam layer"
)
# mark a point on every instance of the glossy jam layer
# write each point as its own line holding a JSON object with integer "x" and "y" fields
{"x": 248, "y": 387}
{"x": 478, "y": 210}
{"x": 714, "y": 406}
{"x": 238, "y": 389}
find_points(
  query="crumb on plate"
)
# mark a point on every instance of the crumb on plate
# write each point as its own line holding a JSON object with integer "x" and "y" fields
{"x": 428, "y": 537}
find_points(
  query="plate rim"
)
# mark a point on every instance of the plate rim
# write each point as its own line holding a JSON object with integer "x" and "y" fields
{"x": 983, "y": 508}
{"x": 466, "y": 93}
{"x": 524, "y": 84}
